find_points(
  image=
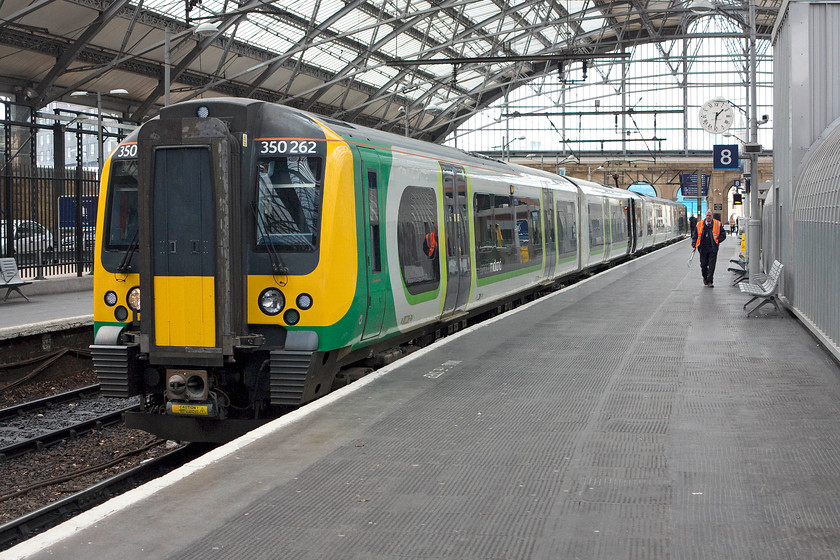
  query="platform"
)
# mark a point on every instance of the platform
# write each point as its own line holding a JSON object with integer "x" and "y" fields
{"x": 636, "y": 415}
{"x": 54, "y": 304}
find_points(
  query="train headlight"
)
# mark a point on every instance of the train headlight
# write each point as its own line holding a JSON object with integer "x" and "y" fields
{"x": 202, "y": 112}
{"x": 110, "y": 298}
{"x": 304, "y": 301}
{"x": 133, "y": 298}
{"x": 272, "y": 301}
{"x": 291, "y": 317}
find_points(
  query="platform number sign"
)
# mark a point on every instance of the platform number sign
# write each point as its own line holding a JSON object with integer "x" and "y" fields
{"x": 725, "y": 156}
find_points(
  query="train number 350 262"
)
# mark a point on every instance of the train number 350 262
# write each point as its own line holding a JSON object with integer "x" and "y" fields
{"x": 300, "y": 147}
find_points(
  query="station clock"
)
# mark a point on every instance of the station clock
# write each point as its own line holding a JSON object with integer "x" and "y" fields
{"x": 716, "y": 116}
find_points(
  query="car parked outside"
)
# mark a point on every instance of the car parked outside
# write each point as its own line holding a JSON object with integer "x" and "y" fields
{"x": 68, "y": 239}
{"x": 30, "y": 239}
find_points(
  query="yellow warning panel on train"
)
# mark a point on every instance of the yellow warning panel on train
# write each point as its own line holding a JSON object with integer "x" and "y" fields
{"x": 190, "y": 409}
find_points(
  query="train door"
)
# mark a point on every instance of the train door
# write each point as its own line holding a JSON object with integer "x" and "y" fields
{"x": 187, "y": 233}
{"x": 183, "y": 241}
{"x": 632, "y": 226}
{"x": 376, "y": 292}
{"x": 550, "y": 235}
{"x": 456, "y": 239}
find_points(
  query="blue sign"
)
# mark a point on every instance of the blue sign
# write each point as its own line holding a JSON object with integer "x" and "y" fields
{"x": 688, "y": 184}
{"x": 725, "y": 156}
{"x": 67, "y": 211}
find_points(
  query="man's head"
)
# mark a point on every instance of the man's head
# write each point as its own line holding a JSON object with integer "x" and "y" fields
{"x": 708, "y": 215}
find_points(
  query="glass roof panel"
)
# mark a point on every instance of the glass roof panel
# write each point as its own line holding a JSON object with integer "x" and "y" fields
{"x": 363, "y": 37}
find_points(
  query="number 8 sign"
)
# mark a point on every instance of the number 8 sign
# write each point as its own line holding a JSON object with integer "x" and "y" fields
{"x": 726, "y": 156}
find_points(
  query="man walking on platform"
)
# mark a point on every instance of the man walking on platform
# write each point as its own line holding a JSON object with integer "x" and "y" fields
{"x": 708, "y": 235}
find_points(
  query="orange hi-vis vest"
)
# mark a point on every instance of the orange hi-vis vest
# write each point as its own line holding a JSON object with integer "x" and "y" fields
{"x": 715, "y": 231}
{"x": 430, "y": 244}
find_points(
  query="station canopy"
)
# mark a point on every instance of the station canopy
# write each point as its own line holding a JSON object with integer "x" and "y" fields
{"x": 373, "y": 63}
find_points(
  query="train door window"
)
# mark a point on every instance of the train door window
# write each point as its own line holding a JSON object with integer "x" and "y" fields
{"x": 550, "y": 230}
{"x": 619, "y": 221}
{"x": 373, "y": 208}
{"x": 638, "y": 215}
{"x": 596, "y": 225}
{"x": 289, "y": 203}
{"x": 566, "y": 230}
{"x": 418, "y": 241}
{"x": 121, "y": 218}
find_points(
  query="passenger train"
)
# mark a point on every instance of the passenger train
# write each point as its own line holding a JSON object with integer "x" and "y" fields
{"x": 277, "y": 252}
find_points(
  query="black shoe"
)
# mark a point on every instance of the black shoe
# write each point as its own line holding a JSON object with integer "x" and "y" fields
{"x": 711, "y": 285}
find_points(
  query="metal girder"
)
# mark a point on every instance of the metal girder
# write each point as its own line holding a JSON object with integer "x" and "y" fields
{"x": 474, "y": 36}
{"x": 312, "y": 31}
{"x": 69, "y": 54}
{"x": 34, "y": 7}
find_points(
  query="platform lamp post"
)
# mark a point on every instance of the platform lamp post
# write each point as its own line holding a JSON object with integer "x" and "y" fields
{"x": 505, "y": 146}
{"x": 99, "y": 142}
{"x": 751, "y": 148}
{"x": 202, "y": 31}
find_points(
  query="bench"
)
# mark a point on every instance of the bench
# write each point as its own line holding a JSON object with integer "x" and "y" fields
{"x": 765, "y": 291}
{"x": 10, "y": 278}
{"x": 740, "y": 268}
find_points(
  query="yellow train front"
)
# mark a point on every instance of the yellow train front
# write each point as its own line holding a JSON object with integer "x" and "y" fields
{"x": 236, "y": 222}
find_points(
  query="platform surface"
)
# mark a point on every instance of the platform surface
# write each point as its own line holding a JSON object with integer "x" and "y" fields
{"x": 637, "y": 415}
{"x": 54, "y": 304}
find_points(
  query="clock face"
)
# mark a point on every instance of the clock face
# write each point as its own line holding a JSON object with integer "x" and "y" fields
{"x": 716, "y": 116}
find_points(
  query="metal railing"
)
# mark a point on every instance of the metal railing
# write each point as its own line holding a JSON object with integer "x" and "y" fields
{"x": 49, "y": 189}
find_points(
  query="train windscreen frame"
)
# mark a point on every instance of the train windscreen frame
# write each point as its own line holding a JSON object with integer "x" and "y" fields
{"x": 289, "y": 198}
{"x": 121, "y": 218}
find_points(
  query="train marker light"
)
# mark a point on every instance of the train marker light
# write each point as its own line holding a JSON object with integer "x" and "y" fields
{"x": 271, "y": 301}
{"x": 304, "y": 301}
{"x": 110, "y": 298}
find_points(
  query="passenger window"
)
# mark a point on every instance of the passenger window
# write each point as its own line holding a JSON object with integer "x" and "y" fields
{"x": 507, "y": 233}
{"x": 418, "y": 241}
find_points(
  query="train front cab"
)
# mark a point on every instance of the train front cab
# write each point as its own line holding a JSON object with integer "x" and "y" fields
{"x": 238, "y": 302}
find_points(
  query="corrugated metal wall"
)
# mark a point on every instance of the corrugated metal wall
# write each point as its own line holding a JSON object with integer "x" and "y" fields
{"x": 817, "y": 236}
{"x": 807, "y": 164}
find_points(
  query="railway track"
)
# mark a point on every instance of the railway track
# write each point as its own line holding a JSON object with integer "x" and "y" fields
{"x": 53, "y": 514}
{"x": 48, "y": 402}
{"x": 68, "y": 418}
{"x": 49, "y": 420}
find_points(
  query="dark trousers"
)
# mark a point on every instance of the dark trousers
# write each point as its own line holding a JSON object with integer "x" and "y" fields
{"x": 708, "y": 260}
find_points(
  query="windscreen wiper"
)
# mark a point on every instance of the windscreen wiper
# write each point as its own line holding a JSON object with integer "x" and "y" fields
{"x": 277, "y": 265}
{"x": 125, "y": 263}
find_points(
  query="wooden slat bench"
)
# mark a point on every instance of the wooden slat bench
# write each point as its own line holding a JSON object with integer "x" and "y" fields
{"x": 10, "y": 278}
{"x": 766, "y": 291}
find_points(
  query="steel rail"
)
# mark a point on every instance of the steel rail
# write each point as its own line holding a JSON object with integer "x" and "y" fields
{"x": 72, "y": 431}
{"x": 17, "y": 410}
{"x": 53, "y": 514}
